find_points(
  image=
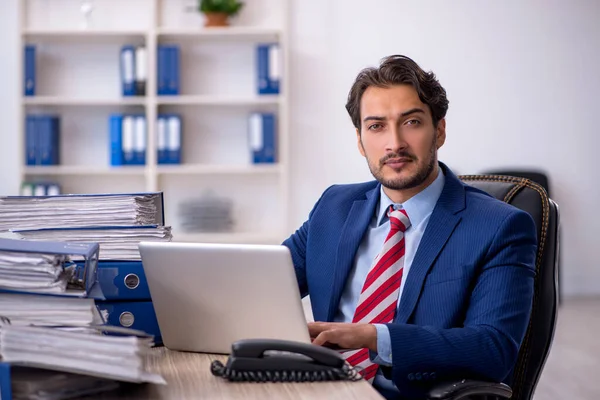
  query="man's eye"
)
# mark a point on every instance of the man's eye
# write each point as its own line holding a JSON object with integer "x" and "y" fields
{"x": 413, "y": 122}
{"x": 375, "y": 127}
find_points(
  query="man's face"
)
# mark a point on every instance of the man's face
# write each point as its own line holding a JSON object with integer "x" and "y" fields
{"x": 397, "y": 136}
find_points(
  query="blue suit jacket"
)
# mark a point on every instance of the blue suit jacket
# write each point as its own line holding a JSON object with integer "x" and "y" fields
{"x": 468, "y": 295}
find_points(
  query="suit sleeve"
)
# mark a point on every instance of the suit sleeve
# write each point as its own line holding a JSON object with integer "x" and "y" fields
{"x": 487, "y": 345}
{"x": 297, "y": 243}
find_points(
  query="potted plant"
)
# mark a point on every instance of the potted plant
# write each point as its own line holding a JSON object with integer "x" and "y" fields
{"x": 217, "y": 12}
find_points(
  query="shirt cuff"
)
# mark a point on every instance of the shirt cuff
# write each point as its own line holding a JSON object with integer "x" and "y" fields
{"x": 384, "y": 346}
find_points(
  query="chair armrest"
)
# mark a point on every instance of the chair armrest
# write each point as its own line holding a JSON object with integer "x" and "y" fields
{"x": 466, "y": 388}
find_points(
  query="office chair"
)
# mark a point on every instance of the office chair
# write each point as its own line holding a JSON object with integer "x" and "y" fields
{"x": 528, "y": 196}
{"x": 544, "y": 181}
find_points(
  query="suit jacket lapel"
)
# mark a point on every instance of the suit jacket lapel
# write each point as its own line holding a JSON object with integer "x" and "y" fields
{"x": 351, "y": 235}
{"x": 442, "y": 223}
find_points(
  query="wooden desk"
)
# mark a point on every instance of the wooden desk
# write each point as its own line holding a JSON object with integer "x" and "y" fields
{"x": 188, "y": 376}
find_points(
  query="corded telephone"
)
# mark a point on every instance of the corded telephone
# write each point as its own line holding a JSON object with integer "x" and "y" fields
{"x": 270, "y": 360}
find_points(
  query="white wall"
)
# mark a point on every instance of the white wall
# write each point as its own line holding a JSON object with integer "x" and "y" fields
{"x": 9, "y": 97}
{"x": 521, "y": 78}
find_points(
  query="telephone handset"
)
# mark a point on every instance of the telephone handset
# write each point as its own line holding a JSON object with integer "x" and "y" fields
{"x": 271, "y": 360}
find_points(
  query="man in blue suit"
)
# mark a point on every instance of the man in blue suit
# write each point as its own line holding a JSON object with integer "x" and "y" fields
{"x": 424, "y": 278}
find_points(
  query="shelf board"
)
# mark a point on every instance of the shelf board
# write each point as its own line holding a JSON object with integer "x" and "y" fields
{"x": 233, "y": 32}
{"x": 210, "y": 100}
{"x": 76, "y": 35}
{"x": 73, "y": 101}
{"x": 56, "y": 170}
{"x": 199, "y": 169}
{"x": 229, "y": 237}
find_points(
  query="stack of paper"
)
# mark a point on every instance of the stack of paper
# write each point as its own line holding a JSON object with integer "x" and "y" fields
{"x": 40, "y": 273}
{"x": 117, "y": 222}
{"x": 115, "y": 243}
{"x": 86, "y": 352}
{"x": 70, "y": 211}
{"x": 25, "y": 309}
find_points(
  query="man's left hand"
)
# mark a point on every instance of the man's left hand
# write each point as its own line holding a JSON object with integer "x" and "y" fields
{"x": 343, "y": 335}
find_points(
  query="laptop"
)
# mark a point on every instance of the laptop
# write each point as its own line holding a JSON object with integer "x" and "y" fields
{"x": 207, "y": 296}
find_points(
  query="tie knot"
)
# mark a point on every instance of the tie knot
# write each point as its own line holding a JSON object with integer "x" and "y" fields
{"x": 398, "y": 219}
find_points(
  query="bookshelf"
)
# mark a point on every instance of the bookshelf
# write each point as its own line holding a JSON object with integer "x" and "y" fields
{"x": 78, "y": 78}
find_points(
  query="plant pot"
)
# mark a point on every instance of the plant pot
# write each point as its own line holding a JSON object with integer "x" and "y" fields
{"x": 216, "y": 19}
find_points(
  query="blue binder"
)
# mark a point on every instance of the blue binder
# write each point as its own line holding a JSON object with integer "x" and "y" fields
{"x": 161, "y": 70}
{"x": 268, "y": 68}
{"x": 172, "y": 70}
{"x": 115, "y": 127}
{"x": 5, "y": 384}
{"x": 128, "y": 71}
{"x": 123, "y": 280}
{"x": 132, "y": 314}
{"x": 88, "y": 251}
{"x": 29, "y": 75}
{"x": 262, "y": 137}
{"x": 31, "y": 140}
{"x": 173, "y": 153}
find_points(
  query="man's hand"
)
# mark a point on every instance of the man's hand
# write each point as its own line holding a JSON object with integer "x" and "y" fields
{"x": 345, "y": 336}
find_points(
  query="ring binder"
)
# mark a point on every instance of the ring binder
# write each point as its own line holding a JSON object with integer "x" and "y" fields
{"x": 87, "y": 276}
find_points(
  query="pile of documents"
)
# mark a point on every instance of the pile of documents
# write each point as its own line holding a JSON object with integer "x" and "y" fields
{"x": 52, "y": 339}
{"x": 118, "y": 222}
{"x": 115, "y": 243}
{"x": 41, "y": 273}
{"x": 77, "y": 211}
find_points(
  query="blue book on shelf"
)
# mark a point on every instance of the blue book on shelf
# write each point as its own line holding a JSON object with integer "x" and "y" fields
{"x": 128, "y": 140}
{"x": 55, "y": 140}
{"x": 127, "y": 68}
{"x": 268, "y": 68}
{"x": 161, "y": 139}
{"x": 173, "y": 154}
{"x": 132, "y": 314}
{"x": 262, "y": 137}
{"x": 161, "y": 70}
{"x": 29, "y": 73}
{"x": 48, "y": 139}
{"x": 31, "y": 140}
{"x": 140, "y": 140}
{"x": 115, "y": 127}
{"x": 173, "y": 70}
{"x": 87, "y": 251}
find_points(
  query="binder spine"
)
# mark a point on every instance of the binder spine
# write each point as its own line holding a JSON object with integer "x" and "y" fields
{"x": 141, "y": 73}
{"x": 116, "y": 139}
{"x": 128, "y": 140}
{"x": 139, "y": 143}
{"x": 268, "y": 68}
{"x": 31, "y": 140}
{"x": 5, "y": 382}
{"x": 161, "y": 71}
{"x": 174, "y": 140}
{"x": 128, "y": 70}
{"x": 29, "y": 75}
{"x": 132, "y": 314}
{"x": 161, "y": 139}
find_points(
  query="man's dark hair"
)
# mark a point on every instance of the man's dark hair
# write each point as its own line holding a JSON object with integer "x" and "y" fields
{"x": 398, "y": 70}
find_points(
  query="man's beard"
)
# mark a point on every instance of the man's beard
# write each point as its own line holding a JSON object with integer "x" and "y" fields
{"x": 423, "y": 169}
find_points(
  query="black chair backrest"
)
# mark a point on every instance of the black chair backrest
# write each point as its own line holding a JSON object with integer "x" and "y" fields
{"x": 534, "y": 176}
{"x": 532, "y": 198}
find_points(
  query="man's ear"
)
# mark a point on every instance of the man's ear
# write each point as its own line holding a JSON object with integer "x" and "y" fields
{"x": 440, "y": 133}
{"x": 359, "y": 143}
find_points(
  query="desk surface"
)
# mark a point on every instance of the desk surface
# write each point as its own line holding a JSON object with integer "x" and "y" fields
{"x": 188, "y": 376}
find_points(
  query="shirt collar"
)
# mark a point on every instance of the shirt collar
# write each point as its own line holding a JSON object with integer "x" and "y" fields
{"x": 417, "y": 207}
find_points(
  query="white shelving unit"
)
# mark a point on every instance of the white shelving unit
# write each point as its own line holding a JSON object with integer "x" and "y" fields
{"x": 78, "y": 78}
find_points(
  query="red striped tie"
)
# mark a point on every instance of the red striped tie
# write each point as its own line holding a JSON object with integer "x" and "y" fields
{"x": 379, "y": 296}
